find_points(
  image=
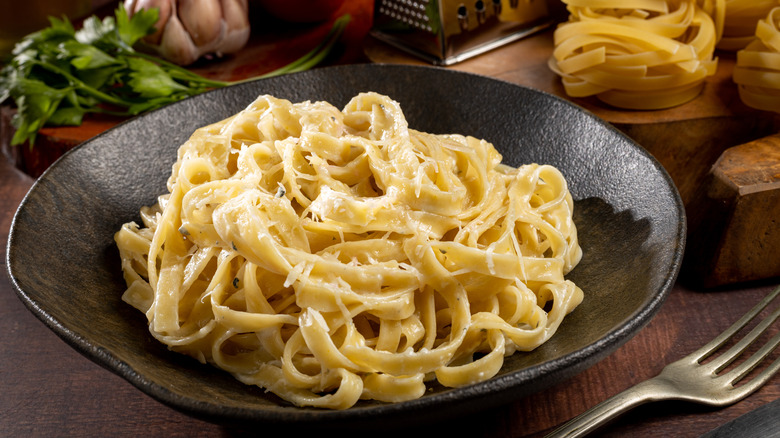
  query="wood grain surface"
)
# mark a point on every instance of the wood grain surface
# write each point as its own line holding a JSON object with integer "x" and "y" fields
{"x": 735, "y": 217}
{"x": 48, "y": 389}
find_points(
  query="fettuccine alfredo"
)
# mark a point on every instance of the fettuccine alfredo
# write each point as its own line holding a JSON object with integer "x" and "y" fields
{"x": 334, "y": 255}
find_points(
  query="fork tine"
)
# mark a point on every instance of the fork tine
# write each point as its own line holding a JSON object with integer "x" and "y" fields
{"x": 760, "y": 379}
{"x": 721, "y": 339}
{"x": 741, "y": 371}
{"x": 729, "y": 356}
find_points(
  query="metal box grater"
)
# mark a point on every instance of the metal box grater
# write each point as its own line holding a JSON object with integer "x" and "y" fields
{"x": 444, "y": 32}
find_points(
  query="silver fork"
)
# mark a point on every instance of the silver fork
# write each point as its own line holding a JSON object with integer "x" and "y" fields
{"x": 691, "y": 379}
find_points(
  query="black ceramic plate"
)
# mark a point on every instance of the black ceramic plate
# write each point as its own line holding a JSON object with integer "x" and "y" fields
{"x": 65, "y": 267}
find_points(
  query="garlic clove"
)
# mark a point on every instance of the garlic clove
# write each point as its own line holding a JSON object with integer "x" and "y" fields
{"x": 235, "y": 13}
{"x": 176, "y": 44}
{"x": 236, "y": 17}
{"x": 202, "y": 19}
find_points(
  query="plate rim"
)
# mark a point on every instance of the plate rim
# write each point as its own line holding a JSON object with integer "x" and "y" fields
{"x": 577, "y": 361}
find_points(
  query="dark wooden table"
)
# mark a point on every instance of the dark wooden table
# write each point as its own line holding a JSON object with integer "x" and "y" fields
{"x": 49, "y": 389}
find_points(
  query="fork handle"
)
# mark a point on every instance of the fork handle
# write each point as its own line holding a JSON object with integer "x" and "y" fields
{"x": 597, "y": 416}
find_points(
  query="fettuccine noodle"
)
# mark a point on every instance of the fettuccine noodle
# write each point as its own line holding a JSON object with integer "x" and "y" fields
{"x": 331, "y": 256}
{"x": 757, "y": 72}
{"x": 740, "y": 24}
{"x": 638, "y": 54}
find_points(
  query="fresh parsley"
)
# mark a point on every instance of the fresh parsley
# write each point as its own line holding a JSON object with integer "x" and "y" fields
{"x": 59, "y": 74}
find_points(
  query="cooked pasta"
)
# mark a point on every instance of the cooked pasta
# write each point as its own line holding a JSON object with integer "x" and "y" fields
{"x": 637, "y": 54}
{"x": 330, "y": 256}
{"x": 757, "y": 71}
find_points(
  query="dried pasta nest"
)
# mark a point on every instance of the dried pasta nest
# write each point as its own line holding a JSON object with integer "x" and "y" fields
{"x": 757, "y": 72}
{"x": 740, "y": 22}
{"x": 637, "y": 54}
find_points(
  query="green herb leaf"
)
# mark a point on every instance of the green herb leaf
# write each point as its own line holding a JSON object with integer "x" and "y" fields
{"x": 36, "y": 102}
{"x": 84, "y": 56}
{"x": 57, "y": 75}
{"x": 59, "y": 30}
{"x": 67, "y": 116}
{"x": 99, "y": 33}
{"x": 99, "y": 78}
{"x": 141, "y": 24}
{"x": 149, "y": 80}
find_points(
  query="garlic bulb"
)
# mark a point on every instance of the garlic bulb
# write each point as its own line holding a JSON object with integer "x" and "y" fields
{"x": 189, "y": 29}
